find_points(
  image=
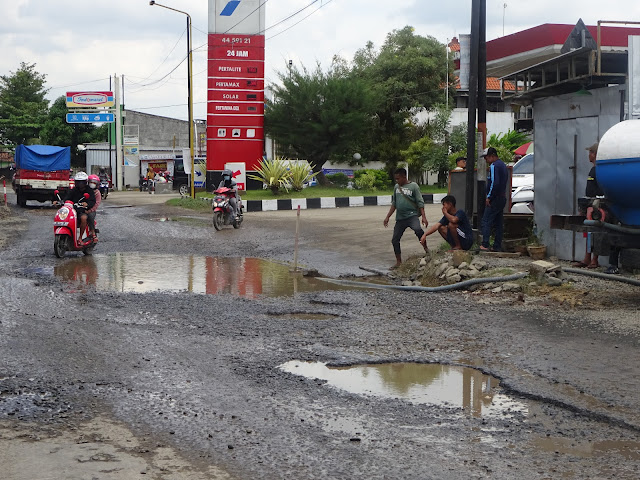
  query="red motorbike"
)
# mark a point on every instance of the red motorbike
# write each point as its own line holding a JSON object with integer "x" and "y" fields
{"x": 222, "y": 211}
{"x": 66, "y": 228}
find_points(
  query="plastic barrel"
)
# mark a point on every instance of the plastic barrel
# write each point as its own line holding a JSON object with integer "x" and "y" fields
{"x": 618, "y": 170}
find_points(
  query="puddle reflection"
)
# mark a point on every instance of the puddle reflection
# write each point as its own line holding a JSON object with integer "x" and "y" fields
{"x": 135, "y": 272}
{"x": 462, "y": 387}
{"x": 579, "y": 448}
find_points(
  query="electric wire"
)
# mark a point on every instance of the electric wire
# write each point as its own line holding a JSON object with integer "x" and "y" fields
{"x": 302, "y": 19}
{"x": 161, "y": 63}
{"x": 260, "y": 5}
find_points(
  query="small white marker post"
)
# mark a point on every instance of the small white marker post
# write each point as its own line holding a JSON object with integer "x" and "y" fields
{"x": 295, "y": 250}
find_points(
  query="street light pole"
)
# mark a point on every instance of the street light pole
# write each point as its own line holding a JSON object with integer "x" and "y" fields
{"x": 190, "y": 89}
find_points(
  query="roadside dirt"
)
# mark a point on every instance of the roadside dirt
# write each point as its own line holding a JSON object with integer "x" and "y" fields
{"x": 97, "y": 448}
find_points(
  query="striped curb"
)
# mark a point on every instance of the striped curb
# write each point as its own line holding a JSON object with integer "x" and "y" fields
{"x": 328, "y": 202}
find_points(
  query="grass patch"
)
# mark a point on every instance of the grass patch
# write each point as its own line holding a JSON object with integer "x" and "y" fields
{"x": 318, "y": 191}
{"x": 193, "y": 204}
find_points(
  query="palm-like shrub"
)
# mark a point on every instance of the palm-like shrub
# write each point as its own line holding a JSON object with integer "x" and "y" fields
{"x": 299, "y": 174}
{"x": 273, "y": 173}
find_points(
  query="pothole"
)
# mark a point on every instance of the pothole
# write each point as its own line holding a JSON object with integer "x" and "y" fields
{"x": 184, "y": 219}
{"x": 449, "y": 386}
{"x": 142, "y": 272}
{"x": 581, "y": 448}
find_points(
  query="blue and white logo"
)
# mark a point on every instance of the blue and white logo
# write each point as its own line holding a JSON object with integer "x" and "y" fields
{"x": 229, "y": 8}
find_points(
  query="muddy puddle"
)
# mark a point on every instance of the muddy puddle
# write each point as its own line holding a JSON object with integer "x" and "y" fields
{"x": 434, "y": 384}
{"x": 184, "y": 219}
{"x": 142, "y": 273}
{"x": 585, "y": 449}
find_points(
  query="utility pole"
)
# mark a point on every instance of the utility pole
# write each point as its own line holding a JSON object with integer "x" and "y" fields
{"x": 473, "y": 101}
{"x": 482, "y": 109}
{"x": 119, "y": 173}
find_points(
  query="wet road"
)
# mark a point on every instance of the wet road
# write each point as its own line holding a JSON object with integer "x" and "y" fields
{"x": 205, "y": 365}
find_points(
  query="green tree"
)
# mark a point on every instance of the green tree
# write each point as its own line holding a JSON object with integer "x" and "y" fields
{"x": 407, "y": 74}
{"x": 56, "y": 131}
{"x": 23, "y": 107}
{"x": 506, "y": 143}
{"x": 318, "y": 115}
{"x": 430, "y": 153}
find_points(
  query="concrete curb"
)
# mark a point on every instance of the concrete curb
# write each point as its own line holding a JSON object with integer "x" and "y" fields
{"x": 328, "y": 202}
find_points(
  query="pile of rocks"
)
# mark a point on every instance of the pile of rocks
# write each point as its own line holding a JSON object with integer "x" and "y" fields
{"x": 458, "y": 266}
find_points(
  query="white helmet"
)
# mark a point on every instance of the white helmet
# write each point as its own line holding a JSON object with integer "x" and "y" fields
{"x": 81, "y": 176}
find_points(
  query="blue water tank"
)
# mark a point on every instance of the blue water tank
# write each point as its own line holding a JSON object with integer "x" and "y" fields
{"x": 618, "y": 170}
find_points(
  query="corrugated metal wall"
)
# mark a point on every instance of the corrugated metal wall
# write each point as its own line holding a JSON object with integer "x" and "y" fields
{"x": 564, "y": 127}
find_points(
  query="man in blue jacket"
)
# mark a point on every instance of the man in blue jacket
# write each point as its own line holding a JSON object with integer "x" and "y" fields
{"x": 496, "y": 200}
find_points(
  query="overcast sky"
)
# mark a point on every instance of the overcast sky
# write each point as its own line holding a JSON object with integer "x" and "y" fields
{"x": 78, "y": 44}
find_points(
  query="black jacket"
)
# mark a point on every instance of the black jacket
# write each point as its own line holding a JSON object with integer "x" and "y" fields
{"x": 76, "y": 195}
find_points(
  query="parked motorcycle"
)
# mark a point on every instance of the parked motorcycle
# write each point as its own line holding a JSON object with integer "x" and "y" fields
{"x": 66, "y": 227}
{"x": 104, "y": 188}
{"x": 222, "y": 209}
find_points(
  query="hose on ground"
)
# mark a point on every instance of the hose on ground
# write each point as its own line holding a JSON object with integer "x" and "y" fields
{"x": 442, "y": 288}
{"x": 604, "y": 276}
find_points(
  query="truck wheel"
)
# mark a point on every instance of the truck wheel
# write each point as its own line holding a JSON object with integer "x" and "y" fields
{"x": 22, "y": 202}
{"x": 60, "y": 245}
{"x": 183, "y": 189}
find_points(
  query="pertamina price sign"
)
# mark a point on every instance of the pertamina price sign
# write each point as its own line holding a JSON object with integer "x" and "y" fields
{"x": 235, "y": 113}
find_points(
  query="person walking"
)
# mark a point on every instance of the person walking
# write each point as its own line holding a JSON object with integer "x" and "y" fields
{"x": 408, "y": 204}
{"x": 495, "y": 201}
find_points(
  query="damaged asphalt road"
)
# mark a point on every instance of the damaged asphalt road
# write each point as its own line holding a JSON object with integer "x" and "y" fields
{"x": 186, "y": 385}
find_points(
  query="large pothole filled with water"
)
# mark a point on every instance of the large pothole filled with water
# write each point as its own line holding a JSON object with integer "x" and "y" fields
{"x": 144, "y": 272}
{"x": 448, "y": 386}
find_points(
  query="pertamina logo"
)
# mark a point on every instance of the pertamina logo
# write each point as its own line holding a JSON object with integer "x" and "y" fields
{"x": 229, "y": 8}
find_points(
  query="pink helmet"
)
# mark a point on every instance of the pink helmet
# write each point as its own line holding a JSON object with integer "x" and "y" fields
{"x": 94, "y": 179}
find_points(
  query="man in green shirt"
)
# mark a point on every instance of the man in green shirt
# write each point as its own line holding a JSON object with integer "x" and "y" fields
{"x": 408, "y": 204}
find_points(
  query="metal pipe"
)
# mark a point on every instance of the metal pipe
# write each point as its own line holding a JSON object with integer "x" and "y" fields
{"x": 442, "y": 288}
{"x": 611, "y": 226}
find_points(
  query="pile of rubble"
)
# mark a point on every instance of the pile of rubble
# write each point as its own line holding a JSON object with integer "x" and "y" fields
{"x": 458, "y": 266}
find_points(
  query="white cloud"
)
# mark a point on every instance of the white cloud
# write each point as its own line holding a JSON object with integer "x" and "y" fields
{"x": 76, "y": 42}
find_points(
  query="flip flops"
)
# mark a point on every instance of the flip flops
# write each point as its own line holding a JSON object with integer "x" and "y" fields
{"x": 579, "y": 265}
{"x": 592, "y": 266}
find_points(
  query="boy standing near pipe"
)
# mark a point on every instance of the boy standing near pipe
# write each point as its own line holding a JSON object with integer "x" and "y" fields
{"x": 408, "y": 204}
{"x": 590, "y": 259}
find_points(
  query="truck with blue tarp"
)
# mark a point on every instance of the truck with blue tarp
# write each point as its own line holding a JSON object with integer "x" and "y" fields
{"x": 41, "y": 170}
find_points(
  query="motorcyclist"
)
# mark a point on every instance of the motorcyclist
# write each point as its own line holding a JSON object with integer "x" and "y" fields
{"x": 94, "y": 181}
{"x": 229, "y": 182}
{"x": 76, "y": 195}
{"x": 102, "y": 176}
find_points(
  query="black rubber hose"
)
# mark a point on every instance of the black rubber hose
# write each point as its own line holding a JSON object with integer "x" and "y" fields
{"x": 604, "y": 276}
{"x": 611, "y": 226}
{"x": 442, "y": 288}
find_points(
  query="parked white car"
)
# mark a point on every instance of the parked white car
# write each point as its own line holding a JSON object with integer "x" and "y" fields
{"x": 522, "y": 185}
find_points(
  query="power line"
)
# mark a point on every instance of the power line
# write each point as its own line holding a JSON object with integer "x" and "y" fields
{"x": 76, "y": 84}
{"x": 302, "y": 19}
{"x": 292, "y": 15}
{"x": 165, "y": 59}
{"x": 260, "y": 5}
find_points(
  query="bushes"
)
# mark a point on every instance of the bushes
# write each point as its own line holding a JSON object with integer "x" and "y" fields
{"x": 373, "y": 179}
{"x": 338, "y": 179}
